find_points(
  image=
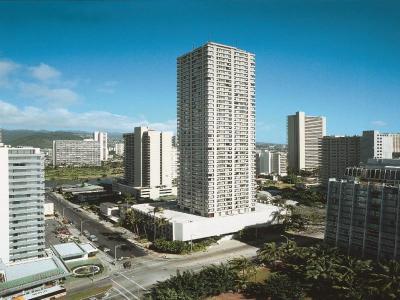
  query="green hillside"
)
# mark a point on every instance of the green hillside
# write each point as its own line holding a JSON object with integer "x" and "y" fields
{"x": 39, "y": 139}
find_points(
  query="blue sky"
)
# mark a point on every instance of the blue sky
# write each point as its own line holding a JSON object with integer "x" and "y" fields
{"x": 112, "y": 64}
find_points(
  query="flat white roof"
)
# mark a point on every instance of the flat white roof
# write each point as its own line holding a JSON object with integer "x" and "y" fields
{"x": 88, "y": 247}
{"x": 68, "y": 249}
{"x": 28, "y": 268}
{"x": 180, "y": 216}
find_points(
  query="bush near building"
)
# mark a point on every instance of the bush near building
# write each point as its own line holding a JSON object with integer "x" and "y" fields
{"x": 180, "y": 247}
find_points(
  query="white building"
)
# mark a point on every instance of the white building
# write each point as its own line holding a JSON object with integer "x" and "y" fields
{"x": 305, "y": 141}
{"x": 22, "y": 227}
{"x": 376, "y": 145}
{"x": 119, "y": 149}
{"x": 101, "y": 137}
{"x": 174, "y": 154}
{"x": 147, "y": 164}
{"x": 271, "y": 162}
{"x": 216, "y": 130}
{"x": 76, "y": 153}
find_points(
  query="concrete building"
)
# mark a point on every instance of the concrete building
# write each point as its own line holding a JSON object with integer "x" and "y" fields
{"x": 22, "y": 222}
{"x": 305, "y": 141}
{"x": 1, "y": 135}
{"x": 363, "y": 218}
{"x": 216, "y": 130}
{"x": 101, "y": 138}
{"x": 119, "y": 149}
{"x": 147, "y": 164}
{"x": 338, "y": 153}
{"x": 376, "y": 145}
{"x": 175, "y": 162}
{"x": 184, "y": 226}
{"x": 377, "y": 170}
{"x": 396, "y": 144}
{"x": 271, "y": 162}
{"x": 76, "y": 153}
{"x": 33, "y": 279}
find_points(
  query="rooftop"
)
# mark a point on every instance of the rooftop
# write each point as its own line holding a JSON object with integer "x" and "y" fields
{"x": 68, "y": 250}
{"x": 28, "y": 273}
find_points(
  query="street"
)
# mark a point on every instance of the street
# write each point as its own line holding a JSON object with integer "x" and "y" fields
{"x": 106, "y": 237}
{"x": 134, "y": 283}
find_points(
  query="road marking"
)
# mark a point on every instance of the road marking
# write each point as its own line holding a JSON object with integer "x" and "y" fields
{"x": 124, "y": 289}
{"x": 119, "y": 292}
{"x": 133, "y": 281}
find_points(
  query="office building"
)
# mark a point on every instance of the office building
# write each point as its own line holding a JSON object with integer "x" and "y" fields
{"x": 338, "y": 153}
{"x": 376, "y": 170}
{"x": 396, "y": 144}
{"x": 376, "y": 145}
{"x": 119, "y": 149}
{"x": 101, "y": 137}
{"x": 363, "y": 218}
{"x": 22, "y": 204}
{"x": 216, "y": 130}
{"x": 147, "y": 164}
{"x": 271, "y": 162}
{"x": 305, "y": 141}
{"x": 76, "y": 153}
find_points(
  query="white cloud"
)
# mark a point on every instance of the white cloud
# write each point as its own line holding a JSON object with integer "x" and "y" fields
{"x": 262, "y": 126}
{"x": 56, "y": 97}
{"x": 379, "y": 123}
{"x": 44, "y": 72}
{"x": 6, "y": 68}
{"x": 58, "y": 118}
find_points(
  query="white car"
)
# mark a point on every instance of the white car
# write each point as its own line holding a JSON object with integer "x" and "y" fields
{"x": 106, "y": 250}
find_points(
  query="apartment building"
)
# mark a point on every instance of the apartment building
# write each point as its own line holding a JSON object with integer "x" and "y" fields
{"x": 22, "y": 204}
{"x": 338, "y": 153}
{"x": 305, "y": 141}
{"x": 76, "y": 153}
{"x": 271, "y": 162}
{"x": 363, "y": 218}
{"x": 376, "y": 145}
{"x": 101, "y": 138}
{"x": 216, "y": 130}
{"x": 119, "y": 149}
{"x": 147, "y": 163}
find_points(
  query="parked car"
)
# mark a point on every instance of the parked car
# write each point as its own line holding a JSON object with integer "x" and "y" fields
{"x": 86, "y": 233}
{"x": 93, "y": 238}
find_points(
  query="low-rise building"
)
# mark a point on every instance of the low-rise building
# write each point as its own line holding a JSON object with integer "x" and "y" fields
{"x": 33, "y": 279}
{"x": 49, "y": 209}
{"x": 183, "y": 226}
{"x": 86, "y": 192}
{"x": 69, "y": 252}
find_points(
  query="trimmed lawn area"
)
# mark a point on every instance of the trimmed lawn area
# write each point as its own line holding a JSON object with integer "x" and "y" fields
{"x": 88, "y": 293}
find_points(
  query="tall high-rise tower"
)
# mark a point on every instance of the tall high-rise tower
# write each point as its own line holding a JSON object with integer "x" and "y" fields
{"x": 305, "y": 141}
{"x": 101, "y": 137}
{"x": 22, "y": 223}
{"x": 216, "y": 130}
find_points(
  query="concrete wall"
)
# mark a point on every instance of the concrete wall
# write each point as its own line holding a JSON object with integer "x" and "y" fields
{"x": 4, "y": 206}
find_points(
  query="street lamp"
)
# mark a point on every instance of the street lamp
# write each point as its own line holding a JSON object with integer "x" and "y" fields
{"x": 115, "y": 252}
{"x": 83, "y": 221}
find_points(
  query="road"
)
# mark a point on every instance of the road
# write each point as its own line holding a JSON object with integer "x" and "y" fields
{"x": 106, "y": 237}
{"x": 146, "y": 271}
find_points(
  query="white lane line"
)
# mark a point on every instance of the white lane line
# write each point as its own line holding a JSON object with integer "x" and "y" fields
{"x": 124, "y": 289}
{"x": 133, "y": 281}
{"x": 119, "y": 292}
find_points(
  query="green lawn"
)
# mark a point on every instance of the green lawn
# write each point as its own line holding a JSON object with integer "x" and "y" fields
{"x": 88, "y": 293}
{"x": 76, "y": 173}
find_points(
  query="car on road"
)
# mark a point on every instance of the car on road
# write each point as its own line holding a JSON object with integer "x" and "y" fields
{"x": 106, "y": 250}
{"x": 86, "y": 233}
{"x": 93, "y": 238}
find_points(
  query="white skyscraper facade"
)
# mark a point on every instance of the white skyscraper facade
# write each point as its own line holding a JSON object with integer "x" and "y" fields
{"x": 216, "y": 130}
{"x": 305, "y": 141}
{"x": 101, "y": 137}
{"x": 22, "y": 225}
{"x": 148, "y": 162}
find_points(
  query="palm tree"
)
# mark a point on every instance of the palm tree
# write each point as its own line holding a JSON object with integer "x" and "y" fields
{"x": 386, "y": 283}
{"x": 241, "y": 264}
{"x": 269, "y": 253}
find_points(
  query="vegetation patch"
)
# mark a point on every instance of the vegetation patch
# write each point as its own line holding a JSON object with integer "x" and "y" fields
{"x": 179, "y": 247}
{"x": 87, "y": 293}
{"x": 84, "y": 172}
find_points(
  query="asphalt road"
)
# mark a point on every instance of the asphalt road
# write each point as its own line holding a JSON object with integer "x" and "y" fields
{"x": 106, "y": 237}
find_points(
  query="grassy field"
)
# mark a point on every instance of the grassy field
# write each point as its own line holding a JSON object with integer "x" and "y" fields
{"x": 88, "y": 293}
{"x": 78, "y": 173}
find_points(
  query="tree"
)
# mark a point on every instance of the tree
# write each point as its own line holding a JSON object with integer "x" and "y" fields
{"x": 243, "y": 265}
{"x": 282, "y": 287}
{"x": 156, "y": 209}
{"x": 269, "y": 253}
{"x": 385, "y": 284}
